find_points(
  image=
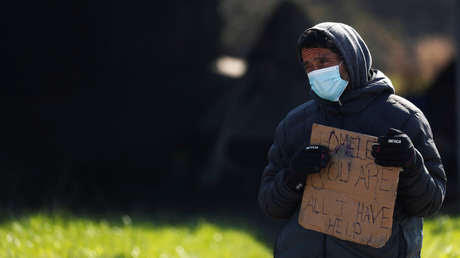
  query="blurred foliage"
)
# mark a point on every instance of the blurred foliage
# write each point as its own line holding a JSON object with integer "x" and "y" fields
{"x": 400, "y": 34}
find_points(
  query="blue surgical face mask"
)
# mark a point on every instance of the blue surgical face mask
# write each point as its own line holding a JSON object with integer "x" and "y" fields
{"x": 327, "y": 83}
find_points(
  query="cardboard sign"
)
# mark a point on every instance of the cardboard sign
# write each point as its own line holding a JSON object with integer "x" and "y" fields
{"x": 352, "y": 198}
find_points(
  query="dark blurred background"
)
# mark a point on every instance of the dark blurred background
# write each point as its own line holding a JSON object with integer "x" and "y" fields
{"x": 145, "y": 105}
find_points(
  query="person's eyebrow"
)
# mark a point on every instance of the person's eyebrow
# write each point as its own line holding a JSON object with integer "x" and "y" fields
{"x": 326, "y": 55}
{"x": 321, "y": 57}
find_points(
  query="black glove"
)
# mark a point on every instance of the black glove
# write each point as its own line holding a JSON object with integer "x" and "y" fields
{"x": 306, "y": 161}
{"x": 395, "y": 149}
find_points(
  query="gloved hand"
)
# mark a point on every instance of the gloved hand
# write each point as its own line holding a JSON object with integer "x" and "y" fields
{"x": 306, "y": 161}
{"x": 395, "y": 149}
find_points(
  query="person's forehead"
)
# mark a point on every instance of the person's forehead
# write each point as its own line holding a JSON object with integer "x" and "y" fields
{"x": 310, "y": 53}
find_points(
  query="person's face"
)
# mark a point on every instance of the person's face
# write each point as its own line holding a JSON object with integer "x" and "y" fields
{"x": 319, "y": 58}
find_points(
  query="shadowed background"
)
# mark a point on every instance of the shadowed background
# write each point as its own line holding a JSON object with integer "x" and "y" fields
{"x": 172, "y": 105}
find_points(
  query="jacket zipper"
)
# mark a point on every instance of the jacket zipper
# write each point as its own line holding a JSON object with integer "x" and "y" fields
{"x": 342, "y": 117}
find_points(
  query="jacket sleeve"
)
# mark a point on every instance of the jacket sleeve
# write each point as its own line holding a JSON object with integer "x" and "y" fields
{"x": 275, "y": 198}
{"x": 421, "y": 189}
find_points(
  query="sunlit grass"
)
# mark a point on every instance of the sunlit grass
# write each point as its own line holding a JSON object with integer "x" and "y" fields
{"x": 68, "y": 236}
{"x": 441, "y": 237}
{"x": 63, "y": 235}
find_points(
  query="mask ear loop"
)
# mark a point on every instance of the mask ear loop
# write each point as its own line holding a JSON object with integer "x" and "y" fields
{"x": 348, "y": 83}
{"x": 341, "y": 63}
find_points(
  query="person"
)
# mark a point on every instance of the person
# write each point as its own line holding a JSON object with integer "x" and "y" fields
{"x": 347, "y": 93}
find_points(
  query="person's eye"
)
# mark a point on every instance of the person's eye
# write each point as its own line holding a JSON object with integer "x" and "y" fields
{"x": 327, "y": 61}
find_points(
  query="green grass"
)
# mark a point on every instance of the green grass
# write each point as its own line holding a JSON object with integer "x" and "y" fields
{"x": 441, "y": 237}
{"x": 64, "y": 235}
{"x": 69, "y": 236}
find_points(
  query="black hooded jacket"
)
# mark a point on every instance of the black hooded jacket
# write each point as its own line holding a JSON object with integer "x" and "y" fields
{"x": 370, "y": 107}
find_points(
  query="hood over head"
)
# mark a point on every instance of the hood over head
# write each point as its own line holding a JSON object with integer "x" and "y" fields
{"x": 365, "y": 82}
